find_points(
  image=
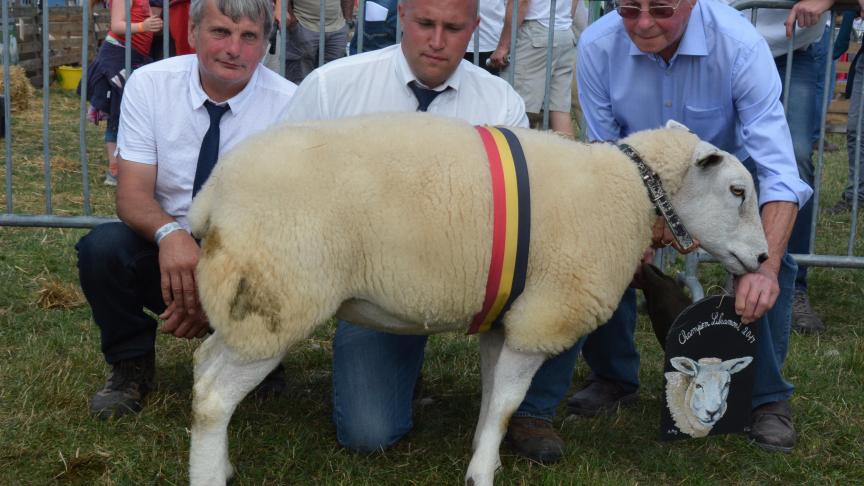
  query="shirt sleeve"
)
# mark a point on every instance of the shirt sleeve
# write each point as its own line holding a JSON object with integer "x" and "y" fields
{"x": 756, "y": 91}
{"x": 309, "y": 101}
{"x": 136, "y": 141}
{"x": 592, "y": 80}
{"x": 516, "y": 115}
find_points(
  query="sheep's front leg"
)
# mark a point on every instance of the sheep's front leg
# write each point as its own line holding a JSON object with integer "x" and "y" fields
{"x": 491, "y": 343}
{"x": 222, "y": 379}
{"x": 511, "y": 378}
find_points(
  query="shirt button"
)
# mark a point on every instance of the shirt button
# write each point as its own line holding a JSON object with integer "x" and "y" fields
{"x": 667, "y": 104}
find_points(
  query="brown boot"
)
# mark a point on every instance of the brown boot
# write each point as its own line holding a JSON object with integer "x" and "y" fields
{"x": 124, "y": 392}
{"x": 772, "y": 427}
{"x": 535, "y": 439}
{"x": 600, "y": 396}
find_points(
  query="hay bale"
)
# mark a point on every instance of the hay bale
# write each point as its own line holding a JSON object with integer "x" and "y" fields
{"x": 21, "y": 89}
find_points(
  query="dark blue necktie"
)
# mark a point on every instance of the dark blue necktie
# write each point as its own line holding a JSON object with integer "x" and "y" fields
{"x": 209, "y": 146}
{"x": 424, "y": 95}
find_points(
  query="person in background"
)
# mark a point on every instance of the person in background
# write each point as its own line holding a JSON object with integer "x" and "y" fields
{"x": 303, "y": 26}
{"x": 489, "y": 30}
{"x": 529, "y": 71}
{"x": 379, "y": 28}
{"x": 107, "y": 75}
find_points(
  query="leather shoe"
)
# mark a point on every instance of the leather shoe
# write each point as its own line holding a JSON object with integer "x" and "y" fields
{"x": 772, "y": 428}
{"x": 534, "y": 439}
{"x": 600, "y": 396}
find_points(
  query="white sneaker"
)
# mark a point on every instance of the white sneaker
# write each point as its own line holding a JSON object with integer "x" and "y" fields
{"x": 110, "y": 180}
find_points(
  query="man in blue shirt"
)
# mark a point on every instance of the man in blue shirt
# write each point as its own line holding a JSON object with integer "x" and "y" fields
{"x": 704, "y": 65}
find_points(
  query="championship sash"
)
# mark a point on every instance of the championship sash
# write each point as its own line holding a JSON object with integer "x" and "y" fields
{"x": 511, "y": 229}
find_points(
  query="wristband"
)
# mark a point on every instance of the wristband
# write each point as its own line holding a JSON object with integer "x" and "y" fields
{"x": 165, "y": 230}
{"x": 140, "y": 26}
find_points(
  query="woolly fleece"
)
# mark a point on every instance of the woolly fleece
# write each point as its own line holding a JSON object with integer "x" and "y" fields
{"x": 395, "y": 211}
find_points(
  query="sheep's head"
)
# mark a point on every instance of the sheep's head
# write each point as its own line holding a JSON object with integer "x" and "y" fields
{"x": 712, "y": 192}
{"x": 709, "y": 385}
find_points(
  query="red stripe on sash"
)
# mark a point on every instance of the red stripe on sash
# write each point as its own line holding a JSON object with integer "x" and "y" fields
{"x": 499, "y": 227}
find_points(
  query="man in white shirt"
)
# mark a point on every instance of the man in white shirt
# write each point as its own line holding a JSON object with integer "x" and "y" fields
{"x": 177, "y": 115}
{"x": 374, "y": 373}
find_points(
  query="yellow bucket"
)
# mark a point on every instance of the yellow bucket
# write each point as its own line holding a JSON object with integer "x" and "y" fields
{"x": 69, "y": 76}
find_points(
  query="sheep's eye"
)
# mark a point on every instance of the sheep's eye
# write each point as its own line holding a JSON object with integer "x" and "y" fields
{"x": 737, "y": 191}
{"x": 698, "y": 387}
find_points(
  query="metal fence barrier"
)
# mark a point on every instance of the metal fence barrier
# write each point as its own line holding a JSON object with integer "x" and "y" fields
{"x": 88, "y": 219}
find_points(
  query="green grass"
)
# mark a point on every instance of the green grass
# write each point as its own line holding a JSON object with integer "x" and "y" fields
{"x": 50, "y": 364}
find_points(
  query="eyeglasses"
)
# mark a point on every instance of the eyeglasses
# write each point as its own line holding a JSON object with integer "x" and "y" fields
{"x": 631, "y": 12}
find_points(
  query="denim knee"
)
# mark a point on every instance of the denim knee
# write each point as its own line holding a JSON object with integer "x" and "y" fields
{"x": 368, "y": 435}
{"x": 100, "y": 249}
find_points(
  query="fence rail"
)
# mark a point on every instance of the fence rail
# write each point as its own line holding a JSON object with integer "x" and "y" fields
{"x": 74, "y": 34}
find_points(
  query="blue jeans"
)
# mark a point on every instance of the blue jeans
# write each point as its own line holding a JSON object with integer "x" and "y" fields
{"x": 119, "y": 274}
{"x": 803, "y": 115}
{"x": 852, "y": 139}
{"x": 374, "y": 374}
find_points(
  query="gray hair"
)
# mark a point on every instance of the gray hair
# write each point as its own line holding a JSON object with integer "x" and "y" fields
{"x": 260, "y": 11}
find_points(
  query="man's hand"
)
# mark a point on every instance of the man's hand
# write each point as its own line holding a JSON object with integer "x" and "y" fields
{"x": 756, "y": 293}
{"x": 178, "y": 255}
{"x": 189, "y": 325}
{"x": 661, "y": 237}
{"x": 806, "y": 13}
{"x": 500, "y": 58}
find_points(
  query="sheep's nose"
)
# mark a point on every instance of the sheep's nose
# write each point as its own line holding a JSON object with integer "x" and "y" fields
{"x": 762, "y": 257}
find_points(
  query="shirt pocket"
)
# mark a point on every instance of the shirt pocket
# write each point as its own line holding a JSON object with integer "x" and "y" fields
{"x": 706, "y": 122}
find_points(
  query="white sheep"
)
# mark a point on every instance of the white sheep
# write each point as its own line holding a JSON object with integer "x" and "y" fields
{"x": 386, "y": 221}
{"x": 696, "y": 393}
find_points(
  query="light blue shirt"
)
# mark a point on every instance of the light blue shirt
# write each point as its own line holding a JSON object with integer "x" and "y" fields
{"x": 722, "y": 83}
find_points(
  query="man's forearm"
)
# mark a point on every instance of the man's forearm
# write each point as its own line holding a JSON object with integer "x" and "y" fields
{"x": 778, "y": 217}
{"x": 136, "y": 205}
{"x": 506, "y": 32}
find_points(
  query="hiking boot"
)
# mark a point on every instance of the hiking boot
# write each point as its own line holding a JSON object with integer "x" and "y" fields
{"x": 534, "y": 439}
{"x": 842, "y": 206}
{"x": 804, "y": 318}
{"x": 273, "y": 385}
{"x": 772, "y": 428}
{"x": 600, "y": 396}
{"x": 124, "y": 392}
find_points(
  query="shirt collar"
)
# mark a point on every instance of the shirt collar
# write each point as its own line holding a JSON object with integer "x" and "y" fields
{"x": 237, "y": 102}
{"x": 405, "y": 75}
{"x": 693, "y": 43}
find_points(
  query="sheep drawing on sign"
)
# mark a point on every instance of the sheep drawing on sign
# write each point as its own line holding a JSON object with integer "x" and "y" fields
{"x": 696, "y": 393}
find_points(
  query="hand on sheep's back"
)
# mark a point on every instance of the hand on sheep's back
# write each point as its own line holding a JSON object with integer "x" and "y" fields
{"x": 183, "y": 316}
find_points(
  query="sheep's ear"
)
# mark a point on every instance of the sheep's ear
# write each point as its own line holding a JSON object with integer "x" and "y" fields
{"x": 674, "y": 124}
{"x": 737, "y": 364}
{"x": 685, "y": 365}
{"x": 706, "y": 155}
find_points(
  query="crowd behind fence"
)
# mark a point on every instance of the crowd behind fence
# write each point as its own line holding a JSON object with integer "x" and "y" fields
{"x": 31, "y": 21}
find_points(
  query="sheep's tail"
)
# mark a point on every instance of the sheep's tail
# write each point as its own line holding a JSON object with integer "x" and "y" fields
{"x": 199, "y": 212}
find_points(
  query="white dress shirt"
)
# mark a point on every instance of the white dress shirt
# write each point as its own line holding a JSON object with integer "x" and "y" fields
{"x": 377, "y": 82}
{"x": 163, "y": 121}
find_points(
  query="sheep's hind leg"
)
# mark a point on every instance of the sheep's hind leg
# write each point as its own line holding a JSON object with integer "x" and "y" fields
{"x": 222, "y": 379}
{"x": 512, "y": 377}
{"x": 491, "y": 343}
